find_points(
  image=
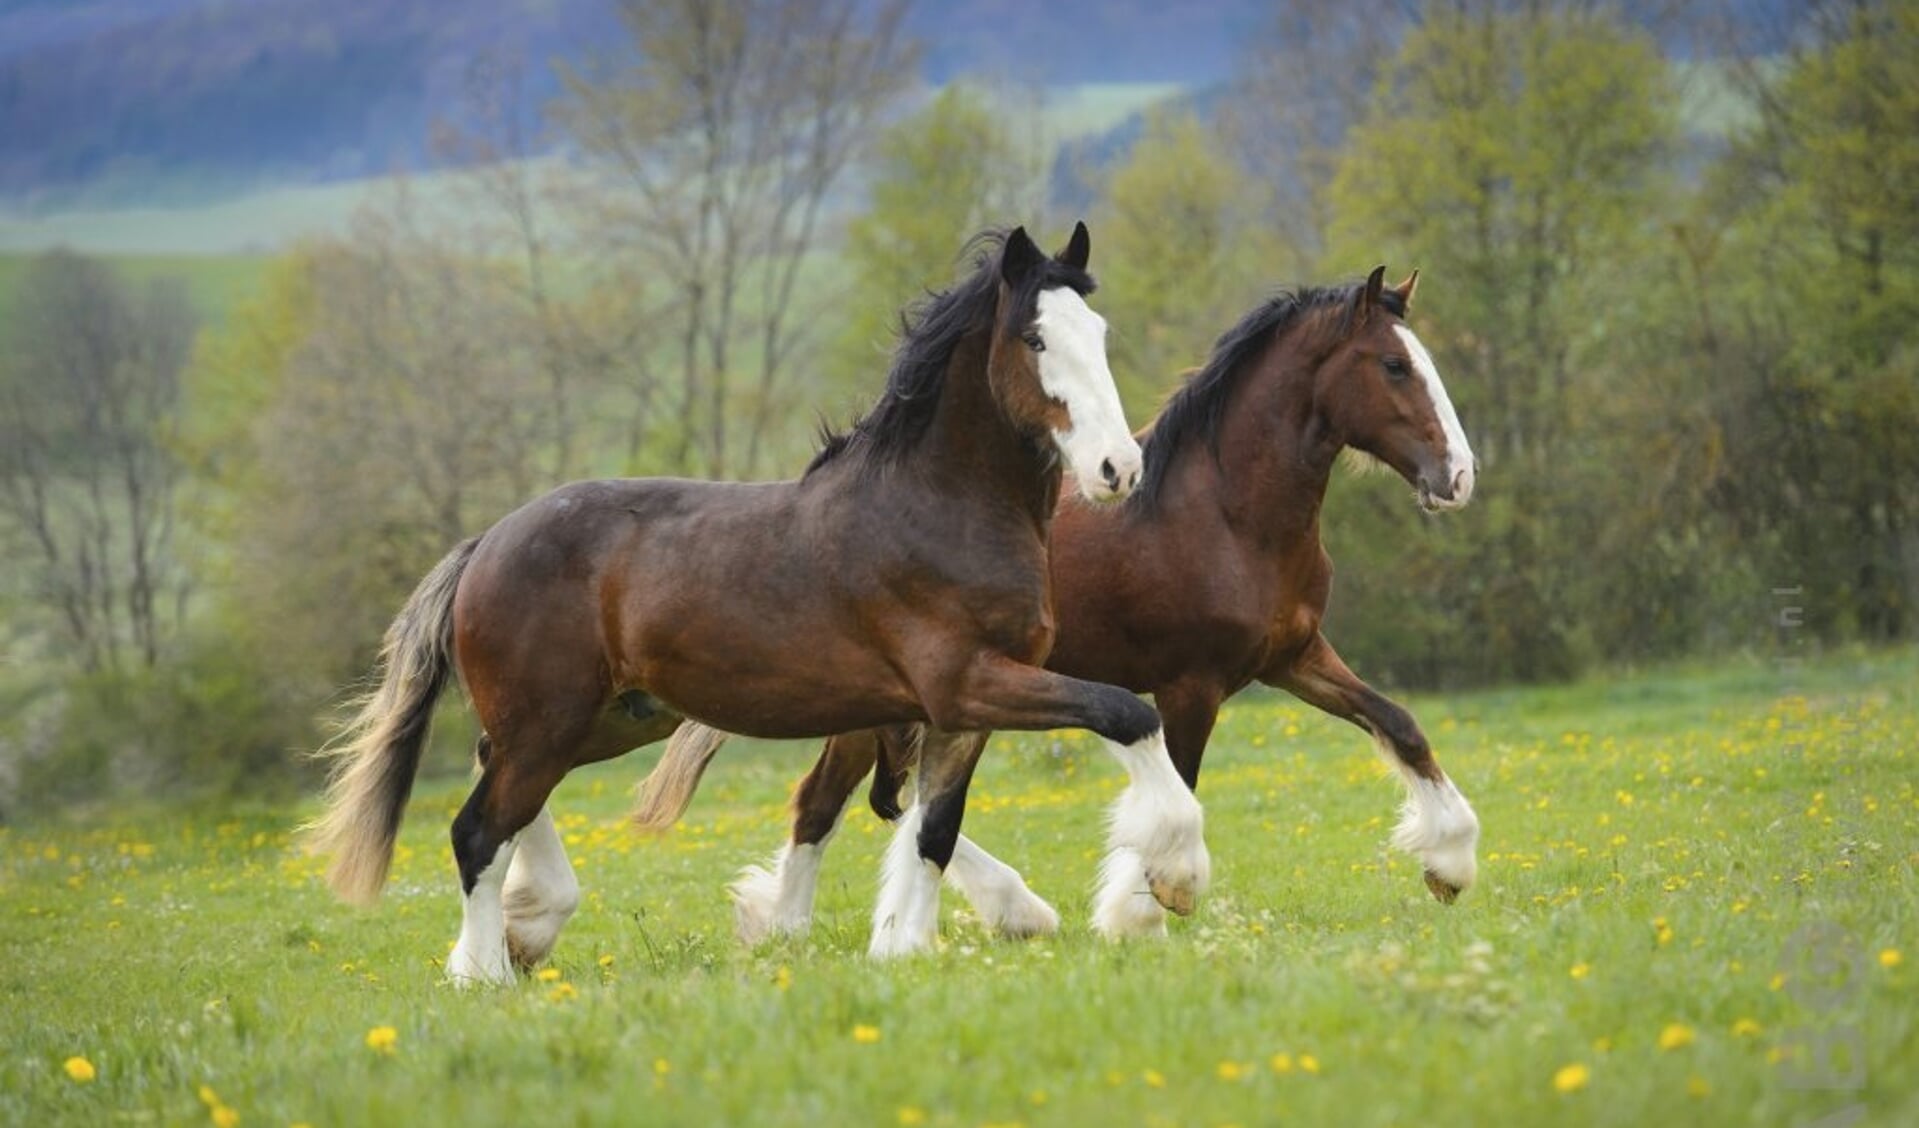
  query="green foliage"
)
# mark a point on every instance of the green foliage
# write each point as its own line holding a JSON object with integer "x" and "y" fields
{"x": 939, "y": 177}
{"x": 1654, "y": 848}
{"x": 1182, "y": 250}
{"x": 1516, "y": 155}
{"x": 202, "y": 725}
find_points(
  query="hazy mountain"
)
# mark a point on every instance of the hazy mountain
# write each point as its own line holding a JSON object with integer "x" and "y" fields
{"x": 111, "y": 101}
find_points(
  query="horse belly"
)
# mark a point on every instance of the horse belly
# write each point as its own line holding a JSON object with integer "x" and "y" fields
{"x": 776, "y": 696}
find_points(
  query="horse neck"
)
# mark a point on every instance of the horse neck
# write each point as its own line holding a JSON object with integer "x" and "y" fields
{"x": 973, "y": 449}
{"x": 1276, "y": 451}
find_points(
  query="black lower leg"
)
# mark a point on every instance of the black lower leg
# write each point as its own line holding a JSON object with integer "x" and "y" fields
{"x": 1397, "y": 727}
{"x": 945, "y": 774}
{"x": 474, "y": 847}
{"x": 1117, "y": 715}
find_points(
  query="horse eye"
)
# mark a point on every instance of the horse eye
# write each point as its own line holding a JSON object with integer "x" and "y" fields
{"x": 1034, "y": 341}
{"x": 1396, "y": 368}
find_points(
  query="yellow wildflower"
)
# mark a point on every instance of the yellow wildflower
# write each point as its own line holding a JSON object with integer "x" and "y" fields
{"x": 1746, "y": 1028}
{"x": 1154, "y": 1078}
{"x": 562, "y": 992}
{"x": 382, "y": 1039}
{"x": 1231, "y": 1071}
{"x": 1581, "y": 970}
{"x": 223, "y": 1116}
{"x": 910, "y": 1115}
{"x": 1281, "y": 1063}
{"x": 606, "y": 960}
{"x": 866, "y": 1035}
{"x": 1676, "y": 1035}
{"x": 1890, "y": 958}
{"x": 1309, "y": 1063}
{"x": 1572, "y": 1078}
{"x": 548, "y": 975}
{"x": 79, "y": 1069}
{"x": 1698, "y": 1087}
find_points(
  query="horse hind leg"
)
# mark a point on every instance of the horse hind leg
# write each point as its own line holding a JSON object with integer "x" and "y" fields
{"x": 541, "y": 893}
{"x": 483, "y": 855}
{"x": 488, "y": 835}
{"x": 776, "y": 899}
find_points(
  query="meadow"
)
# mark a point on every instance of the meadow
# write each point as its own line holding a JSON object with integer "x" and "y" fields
{"x": 1697, "y": 901}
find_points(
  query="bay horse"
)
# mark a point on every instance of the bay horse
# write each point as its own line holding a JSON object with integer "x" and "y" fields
{"x": 901, "y": 580}
{"x": 1209, "y": 578}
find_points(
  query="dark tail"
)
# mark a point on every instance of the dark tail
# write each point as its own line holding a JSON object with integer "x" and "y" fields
{"x": 376, "y": 756}
{"x": 666, "y": 791}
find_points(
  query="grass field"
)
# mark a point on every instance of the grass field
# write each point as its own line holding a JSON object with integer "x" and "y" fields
{"x": 1682, "y": 876}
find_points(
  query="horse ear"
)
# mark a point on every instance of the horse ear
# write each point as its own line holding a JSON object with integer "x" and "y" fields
{"x": 1078, "y": 249}
{"x": 1405, "y": 289}
{"x": 1020, "y": 257}
{"x": 1368, "y": 297}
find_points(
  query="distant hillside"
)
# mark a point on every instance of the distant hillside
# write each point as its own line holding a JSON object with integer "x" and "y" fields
{"x": 125, "y": 100}
{"x": 117, "y": 102}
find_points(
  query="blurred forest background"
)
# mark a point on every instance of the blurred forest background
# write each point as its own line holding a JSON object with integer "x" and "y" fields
{"x": 293, "y": 295}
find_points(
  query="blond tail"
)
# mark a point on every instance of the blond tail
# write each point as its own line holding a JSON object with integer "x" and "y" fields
{"x": 665, "y": 793}
{"x": 374, "y": 758}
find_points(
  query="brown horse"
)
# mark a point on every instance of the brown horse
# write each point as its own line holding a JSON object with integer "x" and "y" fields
{"x": 1210, "y": 578}
{"x": 902, "y": 579}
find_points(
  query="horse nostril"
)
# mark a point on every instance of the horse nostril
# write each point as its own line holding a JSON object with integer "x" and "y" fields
{"x": 1132, "y": 480}
{"x": 1109, "y": 475}
{"x": 1459, "y": 480}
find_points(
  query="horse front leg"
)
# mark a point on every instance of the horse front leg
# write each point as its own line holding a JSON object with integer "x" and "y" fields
{"x": 1156, "y": 817}
{"x": 1124, "y": 905}
{"x": 906, "y": 918}
{"x": 1437, "y": 825}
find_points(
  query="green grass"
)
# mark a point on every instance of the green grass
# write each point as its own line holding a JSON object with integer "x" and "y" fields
{"x": 1652, "y": 845}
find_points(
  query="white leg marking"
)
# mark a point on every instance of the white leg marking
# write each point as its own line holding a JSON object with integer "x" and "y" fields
{"x": 480, "y": 955}
{"x": 541, "y": 892}
{"x": 777, "y": 899}
{"x": 906, "y": 920}
{"x": 1125, "y": 906}
{"x": 1438, "y": 826}
{"x": 1158, "y": 817}
{"x": 998, "y": 894}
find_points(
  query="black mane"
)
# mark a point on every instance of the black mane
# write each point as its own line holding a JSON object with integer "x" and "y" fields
{"x": 930, "y": 330}
{"x": 1197, "y": 410}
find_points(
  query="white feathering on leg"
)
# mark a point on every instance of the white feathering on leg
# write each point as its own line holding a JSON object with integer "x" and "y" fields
{"x": 1158, "y": 817}
{"x": 906, "y": 919}
{"x": 777, "y": 899}
{"x": 480, "y": 957}
{"x": 998, "y": 894}
{"x": 1437, "y": 825}
{"x": 1124, "y": 906}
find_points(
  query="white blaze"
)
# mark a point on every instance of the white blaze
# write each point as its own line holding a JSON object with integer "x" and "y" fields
{"x": 1459, "y": 453}
{"x": 1073, "y": 370}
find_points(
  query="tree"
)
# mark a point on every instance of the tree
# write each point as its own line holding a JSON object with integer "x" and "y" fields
{"x": 715, "y": 148}
{"x": 1515, "y": 153}
{"x": 1304, "y": 81}
{"x": 88, "y": 395}
{"x": 938, "y": 177}
{"x": 1186, "y": 249}
{"x": 1811, "y": 230}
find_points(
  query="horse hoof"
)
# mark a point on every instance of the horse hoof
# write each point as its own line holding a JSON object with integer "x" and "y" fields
{"x": 1444, "y": 891}
{"x": 1177, "y": 899}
